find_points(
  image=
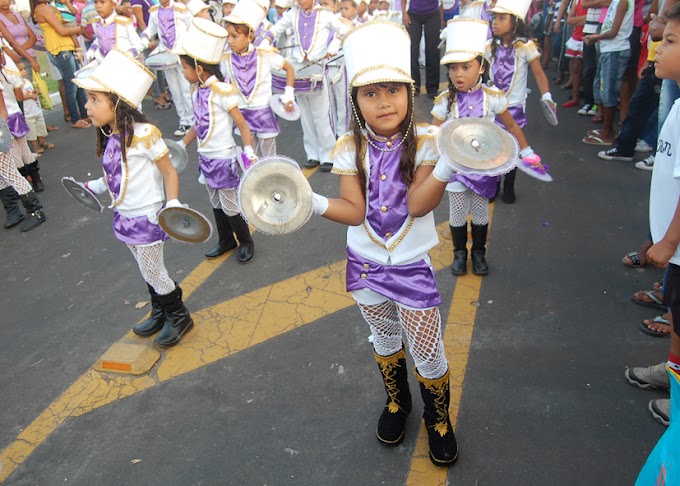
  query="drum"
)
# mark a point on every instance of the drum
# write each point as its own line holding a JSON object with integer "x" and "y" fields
{"x": 309, "y": 77}
{"x": 161, "y": 61}
{"x": 86, "y": 70}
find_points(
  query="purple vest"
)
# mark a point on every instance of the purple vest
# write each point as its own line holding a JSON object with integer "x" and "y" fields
{"x": 166, "y": 26}
{"x": 106, "y": 36}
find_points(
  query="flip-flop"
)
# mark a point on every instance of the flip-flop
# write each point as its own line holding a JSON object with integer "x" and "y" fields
{"x": 596, "y": 140}
{"x": 52, "y": 128}
{"x": 658, "y": 320}
{"x": 634, "y": 258}
{"x": 594, "y": 132}
{"x": 653, "y": 302}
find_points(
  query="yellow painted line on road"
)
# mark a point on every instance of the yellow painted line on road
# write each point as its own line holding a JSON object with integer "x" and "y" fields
{"x": 457, "y": 338}
{"x": 221, "y": 331}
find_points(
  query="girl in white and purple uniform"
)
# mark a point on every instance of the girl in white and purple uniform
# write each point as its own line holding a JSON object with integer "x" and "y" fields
{"x": 215, "y": 114}
{"x": 388, "y": 190}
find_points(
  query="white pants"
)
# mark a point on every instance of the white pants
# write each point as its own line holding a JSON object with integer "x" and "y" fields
{"x": 315, "y": 116}
{"x": 181, "y": 95}
{"x": 339, "y": 92}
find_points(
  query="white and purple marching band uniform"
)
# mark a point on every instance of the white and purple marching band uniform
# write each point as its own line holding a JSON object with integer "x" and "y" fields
{"x": 310, "y": 33}
{"x": 114, "y": 31}
{"x": 169, "y": 24}
{"x": 340, "y": 108}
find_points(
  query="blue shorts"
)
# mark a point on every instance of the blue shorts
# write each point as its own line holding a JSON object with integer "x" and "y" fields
{"x": 612, "y": 67}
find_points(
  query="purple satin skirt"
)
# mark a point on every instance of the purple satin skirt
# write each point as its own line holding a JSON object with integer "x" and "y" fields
{"x": 413, "y": 285}
{"x": 137, "y": 231}
{"x": 261, "y": 120}
{"x": 482, "y": 185}
{"x": 518, "y": 114}
{"x": 17, "y": 125}
{"x": 302, "y": 85}
{"x": 219, "y": 173}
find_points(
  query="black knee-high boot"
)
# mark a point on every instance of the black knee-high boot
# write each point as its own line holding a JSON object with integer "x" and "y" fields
{"x": 32, "y": 170}
{"x": 35, "y": 215}
{"x": 509, "y": 187}
{"x": 398, "y": 405}
{"x": 155, "y": 322}
{"x": 246, "y": 245}
{"x": 459, "y": 235}
{"x": 440, "y": 434}
{"x": 10, "y": 201}
{"x": 226, "y": 234}
{"x": 177, "y": 318}
{"x": 479, "y": 233}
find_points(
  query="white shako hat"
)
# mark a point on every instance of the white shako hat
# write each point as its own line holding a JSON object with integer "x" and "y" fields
{"x": 518, "y": 8}
{"x": 195, "y": 6}
{"x": 377, "y": 51}
{"x": 120, "y": 74}
{"x": 465, "y": 40}
{"x": 264, "y": 4}
{"x": 473, "y": 10}
{"x": 204, "y": 41}
{"x": 247, "y": 12}
{"x": 282, "y": 3}
{"x": 231, "y": 2}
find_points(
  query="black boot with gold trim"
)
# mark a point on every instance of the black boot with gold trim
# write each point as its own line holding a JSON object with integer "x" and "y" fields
{"x": 440, "y": 434}
{"x": 398, "y": 405}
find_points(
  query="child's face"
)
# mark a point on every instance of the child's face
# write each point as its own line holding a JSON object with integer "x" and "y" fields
{"x": 667, "y": 60}
{"x": 502, "y": 24}
{"x": 384, "y": 106}
{"x": 203, "y": 14}
{"x": 328, "y": 4}
{"x": 22, "y": 70}
{"x": 279, "y": 10}
{"x": 361, "y": 9}
{"x": 348, "y": 10}
{"x": 189, "y": 72}
{"x": 227, "y": 8}
{"x": 305, "y": 4}
{"x": 126, "y": 8}
{"x": 236, "y": 40}
{"x": 465, "y": 75}
{"x": 99, "y": 109}
{"x": 104, "y": 8}
{"x": 372, "y": 6}
{"x": 384, "y": 6}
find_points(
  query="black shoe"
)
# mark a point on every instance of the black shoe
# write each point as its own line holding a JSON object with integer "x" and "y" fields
{"x": 479, "y": 234}
{"x": 440, "y": 434}
{"x": 310, "y": 164}
{"x": 177, "y": 319}
{"x": 226, "y": 234}
{"x": 432, "y": 96}
{"x": 459, "y": 236}
{"x": 326, "y": 167}
{"x": 246, "y": 248}
{"x": 10, "y": 201}
{"x": 33, "y": 171}
{"x": 392, "y": 422}
{"x": 509, "y": 187}
{"x": 157, "y": 319}
{"x": 34, "y": 212}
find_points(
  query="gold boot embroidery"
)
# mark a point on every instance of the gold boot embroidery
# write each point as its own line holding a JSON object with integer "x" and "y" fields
{"x": 388, "y": 367}
{"x": 438, "y": 388}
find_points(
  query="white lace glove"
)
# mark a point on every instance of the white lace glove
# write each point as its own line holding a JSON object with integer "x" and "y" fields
{"x": 526, "y": 152}
{"x": 250, "y": 153}
{"x": 319, "y": 204}
{"x": 174, "y": 203}
{"x": 288, "y": 95}
{"x": 547, "y": 97}
{"x": 96, "y": 186}
{"x": 443, "y": 171}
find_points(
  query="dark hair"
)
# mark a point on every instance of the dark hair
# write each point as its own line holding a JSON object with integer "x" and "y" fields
{"x": 211, "y": 69}
{"x": 241, "y": 28}
{"x": 520, "y": 33}
{"x": 673, "y": 13}
{"x": 33, "y": 4}
{"x": 126, "y": 117}
{"x": 453, "y": 91}
{"x": 407, "y": 161}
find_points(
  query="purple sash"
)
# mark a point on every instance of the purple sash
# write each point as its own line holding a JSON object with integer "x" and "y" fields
{"x": 302, "y": 85}
{"x": 219, "y": 173}
{"x": 261, "y": 120}
{"x": 137, "y": 231}
{"x": 17, "y": 125}
{"x": 413, "y": 285}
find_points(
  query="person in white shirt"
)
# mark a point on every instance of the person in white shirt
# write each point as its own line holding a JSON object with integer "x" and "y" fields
{"x": 168, "y": 22}
{"x": 33, "y": 113}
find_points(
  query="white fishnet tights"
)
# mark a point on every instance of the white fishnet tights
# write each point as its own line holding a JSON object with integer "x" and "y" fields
{"x": 21, "y": 152}
{"x": 227, "y": 199}
{"x": 462, "y": 203}
{"x": 151, "y": 264}
{"x": 423, "y": 331}
{"x": 10, "y": 176}
{"x": 264, "y": 147}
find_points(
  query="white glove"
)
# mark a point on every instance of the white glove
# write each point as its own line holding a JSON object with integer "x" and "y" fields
{"x": 443, "y": 171}
{"x": 288, "y": 95}
{"x": 96, "y": 186}
{"x": 547, "y": 97}
{"x": 182, "y": 144}
{"x": 526, "y": 152}
{"x": 89, "y": 55}
{"x": 201, "y": 178}
{"x": 250, "y": 153}
{"x": 319, "y": 204}
{"x": 174, "y": 203}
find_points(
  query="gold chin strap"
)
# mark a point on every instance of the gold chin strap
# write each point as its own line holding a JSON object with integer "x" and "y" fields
{"x": 115, "y": 120}
{"x": 479, "y": 77}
